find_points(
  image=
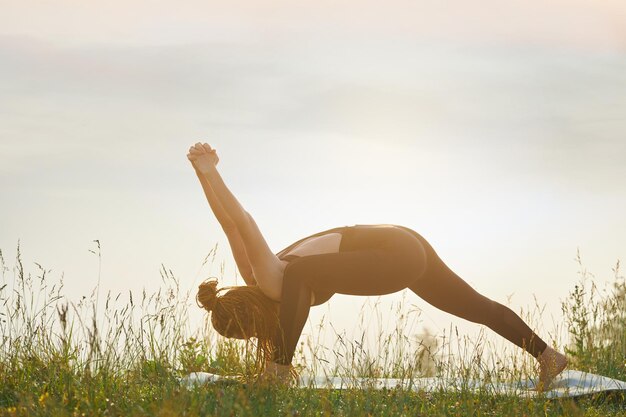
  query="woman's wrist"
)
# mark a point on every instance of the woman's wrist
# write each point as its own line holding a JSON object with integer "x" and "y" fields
{"x": 277, "y": 368}
{"x": 207, "y": 170}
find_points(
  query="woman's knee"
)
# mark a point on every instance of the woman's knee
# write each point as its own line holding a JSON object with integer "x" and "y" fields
{"x": 492, "y": 314}
{"x": 480, "y": 309}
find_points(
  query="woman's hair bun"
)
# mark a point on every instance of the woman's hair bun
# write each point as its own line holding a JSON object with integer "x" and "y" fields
{"x": 207, "y": 294}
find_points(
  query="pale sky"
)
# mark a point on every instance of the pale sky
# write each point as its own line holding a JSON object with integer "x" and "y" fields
{"x": 495, "y": 130}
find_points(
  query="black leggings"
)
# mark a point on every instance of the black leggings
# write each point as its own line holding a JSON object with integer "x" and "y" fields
{"x": 384, "y": 260}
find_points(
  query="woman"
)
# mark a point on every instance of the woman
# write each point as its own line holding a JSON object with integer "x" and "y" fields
{"x": 355, "y": 260}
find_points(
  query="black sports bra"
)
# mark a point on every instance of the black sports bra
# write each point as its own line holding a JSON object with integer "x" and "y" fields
{"x": 283, "y": 254}
{"x": 320, "y": 296}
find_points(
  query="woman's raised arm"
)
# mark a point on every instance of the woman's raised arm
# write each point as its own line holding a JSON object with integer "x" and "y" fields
{"x": 234, "y": 239}
{"x": 267, "y": 268}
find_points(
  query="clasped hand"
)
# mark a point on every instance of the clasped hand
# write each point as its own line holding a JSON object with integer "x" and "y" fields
{"x": 203, "y": 157}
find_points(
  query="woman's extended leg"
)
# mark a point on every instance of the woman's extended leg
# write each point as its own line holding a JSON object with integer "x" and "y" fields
{"x": 445, "y": 290}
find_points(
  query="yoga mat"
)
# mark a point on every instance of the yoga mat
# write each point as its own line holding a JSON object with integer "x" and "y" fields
{"x": 569, "y": 383}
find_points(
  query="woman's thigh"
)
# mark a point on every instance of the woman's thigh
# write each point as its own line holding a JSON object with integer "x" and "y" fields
{"x": 370, "y": 262}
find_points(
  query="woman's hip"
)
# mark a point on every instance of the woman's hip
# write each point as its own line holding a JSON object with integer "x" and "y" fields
{"x": 395, "y": 252}
{"x": 397, "y": 240}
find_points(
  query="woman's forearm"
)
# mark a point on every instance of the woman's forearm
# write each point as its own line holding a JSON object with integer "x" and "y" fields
{"x": 220, "y": 214}
{"x": 228, "y": 202}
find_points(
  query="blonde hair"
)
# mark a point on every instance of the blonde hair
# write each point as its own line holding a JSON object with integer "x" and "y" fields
{"x": 241, "y": 312}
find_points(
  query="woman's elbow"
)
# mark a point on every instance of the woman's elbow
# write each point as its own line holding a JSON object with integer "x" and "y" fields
{"x": 248, "y": 277}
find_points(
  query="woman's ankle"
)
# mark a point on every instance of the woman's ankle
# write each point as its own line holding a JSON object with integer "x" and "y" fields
{"x": 277, "y": 373}
{"x": 277, "y": 368}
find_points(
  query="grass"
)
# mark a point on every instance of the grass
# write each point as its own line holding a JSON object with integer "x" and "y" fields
{"x": 122, "y": 355}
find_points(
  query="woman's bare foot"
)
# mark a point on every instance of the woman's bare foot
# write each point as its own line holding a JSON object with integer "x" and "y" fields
{"x": 551, "y": 363}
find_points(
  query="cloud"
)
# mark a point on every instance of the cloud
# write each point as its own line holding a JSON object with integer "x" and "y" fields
{"x": 554, "y": 108}
{"x": 579, "y": 23}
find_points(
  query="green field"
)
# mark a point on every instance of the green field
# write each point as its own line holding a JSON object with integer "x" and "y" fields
{"x": 123, "y": 354}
